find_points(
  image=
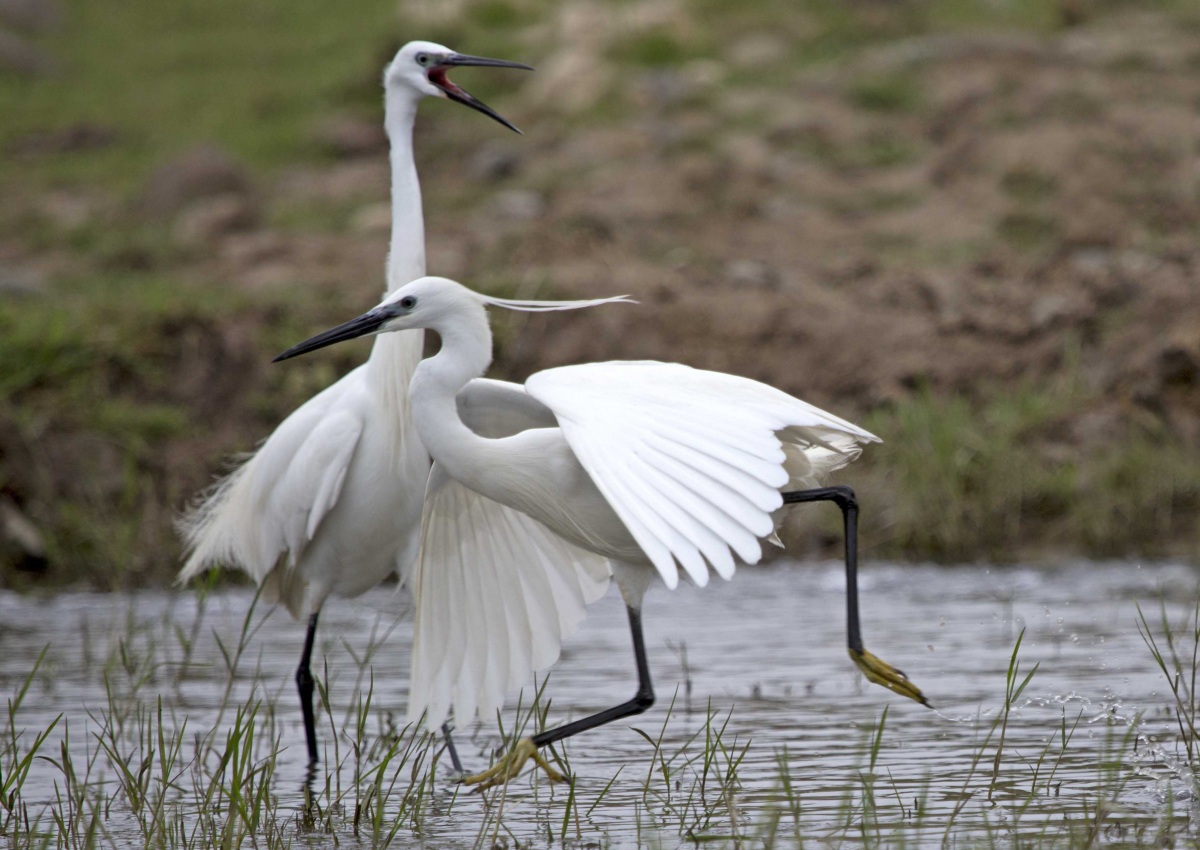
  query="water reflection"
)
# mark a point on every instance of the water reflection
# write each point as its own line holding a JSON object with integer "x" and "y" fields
{"x": 759, "y": 662}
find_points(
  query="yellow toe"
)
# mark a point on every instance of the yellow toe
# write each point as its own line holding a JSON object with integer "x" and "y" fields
{"x": 510, "y": 765}
{"x": 881, "y": 673}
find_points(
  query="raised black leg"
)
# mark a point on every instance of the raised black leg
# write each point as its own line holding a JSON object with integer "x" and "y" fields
{"x": 642, "y": 700}
{"x": 875, "y": 669}
{"x": 844, "y": 498}
{"x": 304, "y": 683}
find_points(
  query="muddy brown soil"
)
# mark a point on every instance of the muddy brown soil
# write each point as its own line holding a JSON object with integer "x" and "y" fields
{"x": 957, "y": 214}
{"x": 1036, "y": 210}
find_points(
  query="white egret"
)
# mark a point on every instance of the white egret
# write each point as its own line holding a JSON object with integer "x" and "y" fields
{"x": 331, "y": 502}
{"x": 654, "y": 466}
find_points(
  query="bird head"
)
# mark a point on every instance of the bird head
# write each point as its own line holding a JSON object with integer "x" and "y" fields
{"x": 429, "y": 302}
{"x": 422, "y": 67}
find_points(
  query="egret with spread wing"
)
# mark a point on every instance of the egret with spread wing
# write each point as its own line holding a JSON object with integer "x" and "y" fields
{"x": 656, "y": 467}
{"x": 331, "y": 502}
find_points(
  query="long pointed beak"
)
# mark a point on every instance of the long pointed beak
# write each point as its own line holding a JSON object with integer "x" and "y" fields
{"x": 364, "y": 325}
{"x": 437, "y": 76}
{"x": 483, "y": 62}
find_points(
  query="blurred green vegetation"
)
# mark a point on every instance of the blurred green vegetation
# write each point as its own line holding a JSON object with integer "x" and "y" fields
{"x": 253, "y": 76}
{"x": 164, "y": 75}
{"x": 998, "y": 478}
{"x": 95, "y": 366}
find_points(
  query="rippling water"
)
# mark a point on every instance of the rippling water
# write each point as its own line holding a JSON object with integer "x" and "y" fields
{"x": 762, "y": 658}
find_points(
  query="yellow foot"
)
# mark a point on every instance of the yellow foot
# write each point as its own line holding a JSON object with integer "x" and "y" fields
{"x": 510, "y": 765}
{"x": 881, "y": 673}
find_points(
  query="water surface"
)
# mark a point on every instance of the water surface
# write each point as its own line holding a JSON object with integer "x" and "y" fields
{"x": 761, "y": 659}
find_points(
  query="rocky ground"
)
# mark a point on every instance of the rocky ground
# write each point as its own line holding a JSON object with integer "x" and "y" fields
{"x": 947, "y": 218}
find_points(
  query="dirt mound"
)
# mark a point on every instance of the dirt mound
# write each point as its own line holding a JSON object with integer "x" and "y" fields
{"x": 953, "y": 215}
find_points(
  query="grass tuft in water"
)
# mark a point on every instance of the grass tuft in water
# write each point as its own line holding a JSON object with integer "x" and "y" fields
{"x": 1178, "y": 657}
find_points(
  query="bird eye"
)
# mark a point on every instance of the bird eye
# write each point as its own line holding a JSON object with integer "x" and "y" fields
{"x": 422, "y": 59}
{"x": 408, "y": 302}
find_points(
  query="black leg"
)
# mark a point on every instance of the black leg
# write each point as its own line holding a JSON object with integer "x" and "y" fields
{"x": 642, "y": 700}
{"x": 527, "y": 748}
{"x": 875, "y": 669}
{"x": 843, "y": 497}
{"x": 304, "y": 683}
{"x": 451, "y": 749}
{"x": 306, "y": 686}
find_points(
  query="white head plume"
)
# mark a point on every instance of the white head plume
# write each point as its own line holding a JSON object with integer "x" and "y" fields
{"x": 427, "y": 301}
{"x": 527, "y": 306}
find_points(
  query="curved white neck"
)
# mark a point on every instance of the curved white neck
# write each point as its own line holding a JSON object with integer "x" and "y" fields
{"x": 406, "y": 254}
{"x": 465, "y": 354}
{"x": 395, "y": 356}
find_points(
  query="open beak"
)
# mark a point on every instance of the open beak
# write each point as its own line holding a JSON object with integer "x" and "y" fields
{"x": 364, "y": 325}
{"x": 437, "y": 76}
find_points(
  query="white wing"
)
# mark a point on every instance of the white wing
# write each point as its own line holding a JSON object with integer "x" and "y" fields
{"x": 495, "y": 409}
{"x": 271, "y": 506}
{"x": 691, "y": 461}
{"x": 495, "y": 594}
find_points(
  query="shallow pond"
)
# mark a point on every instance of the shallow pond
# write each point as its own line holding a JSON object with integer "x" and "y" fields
{"x": 763, "y": 730}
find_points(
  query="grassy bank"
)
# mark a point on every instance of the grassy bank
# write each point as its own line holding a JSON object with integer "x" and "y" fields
{"x": 969, "y": 225}
{"x": 1001, "y": 478}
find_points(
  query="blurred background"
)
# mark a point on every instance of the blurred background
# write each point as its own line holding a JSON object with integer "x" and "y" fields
{"x": 969, "y": 225}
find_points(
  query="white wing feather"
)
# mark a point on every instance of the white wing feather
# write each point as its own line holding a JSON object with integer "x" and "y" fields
{"x": 273, "y": 504}
{"x": 691, "y": 461}
{"x": 325, "y": 463}
{"x": 495, "y": 595}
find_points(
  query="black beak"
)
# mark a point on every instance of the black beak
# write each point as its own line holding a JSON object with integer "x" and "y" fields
{"x": 456, "y": 59}
{"x": 367, "y": 323}
{"x": 437, "y": 76}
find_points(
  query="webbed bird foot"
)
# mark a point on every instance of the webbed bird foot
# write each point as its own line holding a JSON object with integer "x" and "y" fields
{"x": 881, "y": 673}
{"x": 510, "y": 765}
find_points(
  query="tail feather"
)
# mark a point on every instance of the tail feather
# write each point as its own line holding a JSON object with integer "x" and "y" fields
{"x": 208, "y": 539}
{"x": 808, "y": 465}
